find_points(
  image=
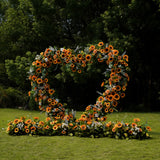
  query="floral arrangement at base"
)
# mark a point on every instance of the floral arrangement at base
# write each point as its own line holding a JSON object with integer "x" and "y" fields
{"x": 92, "y": 122}
{"x": 72, "y": 127}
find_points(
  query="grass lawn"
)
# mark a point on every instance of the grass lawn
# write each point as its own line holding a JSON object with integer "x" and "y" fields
{"x": 76, "y": 148}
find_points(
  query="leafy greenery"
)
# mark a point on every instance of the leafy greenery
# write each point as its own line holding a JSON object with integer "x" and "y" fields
{"x": 78, "y": 148}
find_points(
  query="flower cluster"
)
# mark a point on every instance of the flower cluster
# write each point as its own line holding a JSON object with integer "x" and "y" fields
{"x": 70, "y": 126}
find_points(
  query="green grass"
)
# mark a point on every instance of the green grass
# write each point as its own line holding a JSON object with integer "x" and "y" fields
{"x": 76, "y": 148}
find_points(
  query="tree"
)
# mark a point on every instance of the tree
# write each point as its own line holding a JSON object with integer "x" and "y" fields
{"x": 134, "y": 26}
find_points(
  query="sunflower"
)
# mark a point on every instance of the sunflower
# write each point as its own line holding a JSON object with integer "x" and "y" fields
{"x": 122, "y": 95}
{"x": 100, "y": 44}
{"x": 58, "y": 61}
{"x": 88, "y": 108}
{"x": 83, "y": 127}
{"x": 100, "y": 99}
{"x": 88, "y": 57}
{"x": 33, "y": 129}
{"x": 39, "y": 81}
{"x": 51, "y": 91}
{"x": 119, "y": 124}
{"x": 38, "y": 63}
{"x": 114, "y": 129}
{"x": 34, "y": 78}
{"x": 92, "y": 47}
{"x": 110, "y": 98}
{"x": 115, "y": 52}
{"x": 63, "y": 132}
{"x": 125, "y": 57}
{"x": 29, "y": 121}
{"x": 48, "y": 109}
{"x": 49, "y": 100}
{"x": 110, "y": 47}
{"x": 107, "y": 104}
{"x": 79, "y": 56}
{"x": 38, "y": 70}
{"x": 106, "y": 50}
{"x": 111, "y": 110}
{"x": 130, "y": 132}
{"x": 55, "y": 127}
{"x": 148, "y": 128}
{"x": 136, "y": 120}
{"x": 118, "y": 88}
{"x": 110, "y": 58}
{"x": 27, "y": 130}
{"x": 16, "y": 121}
{"x": 16, "y": 130}
{"x": 116, "y": 96}
{"x": 36, "y": 118}
{"x": 79, "y": 71}
{"x": 89, "y": 122}
{"x": 114, "y": 103}
{"x": 118, "y": 70}
{"x": 134, "y": 125}
{"x": 41, "y": 123}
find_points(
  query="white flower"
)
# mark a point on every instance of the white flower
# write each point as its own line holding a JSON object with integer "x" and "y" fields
{"x": 61, "y": 49}
{"x": 46, "y": 59}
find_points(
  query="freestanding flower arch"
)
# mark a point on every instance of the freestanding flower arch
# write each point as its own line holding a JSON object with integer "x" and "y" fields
{"x": 93, "y": 121}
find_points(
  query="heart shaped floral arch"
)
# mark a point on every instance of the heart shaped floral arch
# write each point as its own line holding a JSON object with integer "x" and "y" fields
{"x": 114, "y": 84}
{"x": 93, "y": 121}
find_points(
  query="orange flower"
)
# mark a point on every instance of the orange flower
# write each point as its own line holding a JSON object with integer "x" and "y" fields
{"x": 134, "y": 125}
{"x": 51, "y": 91}
{"x": 27, "y": 130}
{"x": 119, "y": 124}
{"x": 118, "y": 88}
{"x": 116, "y": 97}
{"x": 100, "y": 44}
{"x": 38, "y": 70}
{"x": 122, "y": 95}
{"x": 88, "y": 108}
{"x": 110, "y": 47}
{"x": 33, "y": 129}
{"x": 55, "y": 127}
{"x": 63, "y": 132}
{"x": 115, "y": 52}
{"x": 113, "y": 129}
{"x": 148, "y": 128}
{"x": 88, "y": 57}
{"x": 28, "y": 121}
{"x": 106, "y": 50}
{"x": 83, "y": 127}
{"x": 16, "y": 121}
{"x": 48, "y": 119}
{"x": 106, "y": 110}
{"x": 41, "y": 123}
{"x": 100, "y": 99}
{"x": 136, "y": 120}
{"x": 89, "y": 122}
{"x": 92, "y": 47}
{"x": 39, "y": 81}
{"x": 111, "y": 110}
{"x": 34, "y": 78}
{"x": 36, "y": 118}
{"x": 16, "y": 130}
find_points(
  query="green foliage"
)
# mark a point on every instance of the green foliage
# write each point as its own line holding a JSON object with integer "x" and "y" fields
{"x": 11, "y": 98}
{"x": 131, "y": 26}
{"x": 17, "y": 69}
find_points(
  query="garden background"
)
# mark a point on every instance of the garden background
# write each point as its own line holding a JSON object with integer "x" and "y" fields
{"x": 28, "y": 27}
